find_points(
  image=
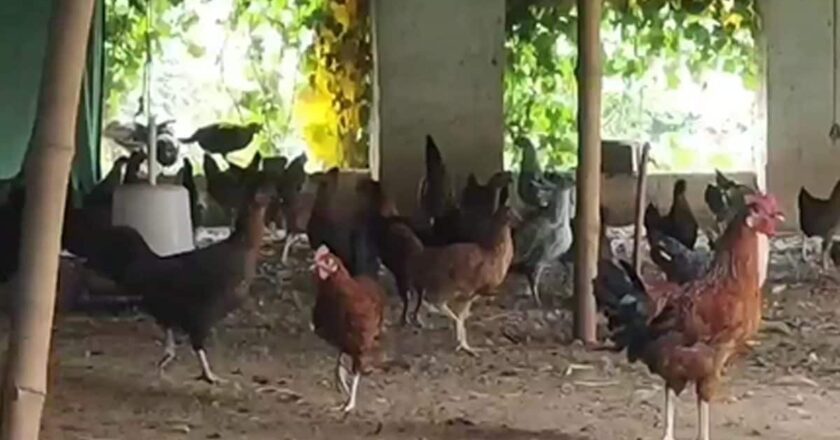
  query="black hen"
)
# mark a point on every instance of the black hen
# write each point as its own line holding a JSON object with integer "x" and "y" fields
{"x": 103, "y": 192}
{"x": 187, "y": 178}
{"x": 820, "y": 218}
{"x": 341, "y": 229}
{"x": 222, "y": 138}
{"x": 193, "y": 290}
{"x": 679, "y": 222}
{"x": 436, "y": 196}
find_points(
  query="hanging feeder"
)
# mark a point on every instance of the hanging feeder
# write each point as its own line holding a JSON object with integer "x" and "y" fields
{"x": 160, "y": 213}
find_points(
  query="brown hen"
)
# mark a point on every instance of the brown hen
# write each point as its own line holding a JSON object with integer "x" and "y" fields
{"x": 348, "y": 314}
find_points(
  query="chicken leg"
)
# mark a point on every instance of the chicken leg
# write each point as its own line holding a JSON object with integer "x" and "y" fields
{"x": 206, "y": 373}
{"x": 291, "y": 238}
{"x": 703, "y": 421}
{"x": 670, "y": 411}
{"x": 460, "y": 328}
{"x": 534, "y": 283}
{"x": 168, "y": 351}
{"x": 354, "y": 388}
{"x": 341, "y": 376}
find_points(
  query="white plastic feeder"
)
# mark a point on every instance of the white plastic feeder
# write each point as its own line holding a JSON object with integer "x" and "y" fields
{"x": 160, "y": 213}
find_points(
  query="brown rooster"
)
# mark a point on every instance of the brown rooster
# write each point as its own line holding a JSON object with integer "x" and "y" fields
{"x": 450, "y": 278}
{"x": 820, "y": 218}
{"x": 348, "y": 314}
{"x": 688, "y": 333}
{"x": 679, "y": 223}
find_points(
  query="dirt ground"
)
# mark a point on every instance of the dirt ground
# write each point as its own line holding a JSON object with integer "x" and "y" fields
{"x": 531, "y": 382}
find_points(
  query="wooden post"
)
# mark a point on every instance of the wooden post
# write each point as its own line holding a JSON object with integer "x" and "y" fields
{"x": 47, "y": 169}
{"x": 641, "y": 187}
{"x": 589, "y": 166}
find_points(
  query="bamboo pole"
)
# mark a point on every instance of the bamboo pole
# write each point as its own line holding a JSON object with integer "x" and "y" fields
{"x": 641, "y": 187}
{"x": 589, "y": 166}
{"x": 48, "y": 164}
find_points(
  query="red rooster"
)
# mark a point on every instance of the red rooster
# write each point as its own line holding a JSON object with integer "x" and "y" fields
{"x": 348, "y": 315}
{"x": 688, "y": 333}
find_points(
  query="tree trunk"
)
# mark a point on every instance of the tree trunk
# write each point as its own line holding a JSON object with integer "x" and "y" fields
{"x": 48, "y": 164}
{"x": 589, "y": 166}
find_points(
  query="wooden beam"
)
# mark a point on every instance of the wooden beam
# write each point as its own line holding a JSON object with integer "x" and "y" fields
{"x": 641, "y": 188}
{"x": 47, "y": 169}
{"x": 589, "y": 166}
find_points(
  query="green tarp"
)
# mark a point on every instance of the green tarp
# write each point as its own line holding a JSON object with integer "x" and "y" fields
{"x": 23, "y": 34}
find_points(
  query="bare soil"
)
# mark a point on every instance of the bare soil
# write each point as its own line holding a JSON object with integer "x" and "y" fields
{"x": 531, "y": 382}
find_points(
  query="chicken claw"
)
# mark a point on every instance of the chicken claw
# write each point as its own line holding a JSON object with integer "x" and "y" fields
{"x": 466, "y": 348}
{"x": 207, "y": 375}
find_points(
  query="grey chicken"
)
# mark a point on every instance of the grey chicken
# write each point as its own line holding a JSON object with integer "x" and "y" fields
{"x": 541, "y": 239}
{"x": 679, "y": 263}
{"x": 533, "y": 188}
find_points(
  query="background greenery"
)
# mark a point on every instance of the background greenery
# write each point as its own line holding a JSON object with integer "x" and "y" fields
{"x": 677, "y": 40}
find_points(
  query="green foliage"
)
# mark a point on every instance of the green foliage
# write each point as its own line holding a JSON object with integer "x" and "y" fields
{"x": 335, "y": 67}
{"x": 540, "y": 83}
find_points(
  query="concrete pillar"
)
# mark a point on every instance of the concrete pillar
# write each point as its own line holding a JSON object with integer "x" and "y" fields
{"x": 439, "y": 67}
{"x": 800, "y": 99}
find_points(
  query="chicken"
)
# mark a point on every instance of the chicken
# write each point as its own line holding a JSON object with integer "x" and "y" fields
{"x": 191, "y": 291}
{"x": 11, "y": 220}
{"x": 348, "y": 314}
{"x": 252, "y": 167}
{"x": 725, "y": 198}
{"x": 337, "y": 226}
{"x": 222, "y": 138}
{"x": 542, "y": 238}
{"x": 679, "y": 223}
{"x": 395, "y": 240}
{"x": 534, "y": 190}
{"x": 103, "y": 192}
{"x": 132, "y": 168}
{"x": 470, "y": 222}
{"x": 227, "y": 188}
{"x": 689, "y": 333}
{"x": 679, "y": 263}
{"x": 187, "y": 179}
{"x": 435, "y": 190}
{"x": 820, "y": 218}
{"x": 450, "y": 278}
{"x": 293, "y": 207}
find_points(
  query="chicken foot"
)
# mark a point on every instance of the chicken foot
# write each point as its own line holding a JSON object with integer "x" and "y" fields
{"x": 341, "y": 376}
{"x": 168, "y": 351}
{"x": 354, "y": 388}
{"x": 703, "y": 421}
{"x": 291, "y": 238}
{"x": 670, "y": 411}
{"x": 460, "y": 328}
{"x": 534, "y": 284}
{"x": 207, "y": 374}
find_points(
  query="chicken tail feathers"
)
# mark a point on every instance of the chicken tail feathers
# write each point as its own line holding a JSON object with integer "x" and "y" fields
{"x": 622, "y": 298}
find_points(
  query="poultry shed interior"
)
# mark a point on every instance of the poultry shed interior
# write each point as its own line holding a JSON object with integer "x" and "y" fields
{"x": 388, "y": 212}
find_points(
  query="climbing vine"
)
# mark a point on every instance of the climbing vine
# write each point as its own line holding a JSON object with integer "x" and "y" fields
{"x": 334, "y": 105}
{"x": 670, "y": 35}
